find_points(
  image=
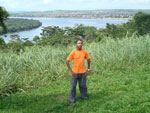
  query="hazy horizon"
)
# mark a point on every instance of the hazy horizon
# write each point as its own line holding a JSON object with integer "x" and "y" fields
{"x": 75, "y": 10}
{"x": 52, "y": 5}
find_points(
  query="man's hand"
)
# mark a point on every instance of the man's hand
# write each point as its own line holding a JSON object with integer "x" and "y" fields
{"x": 87, "y": 72}
{"x": 73, "y": 74}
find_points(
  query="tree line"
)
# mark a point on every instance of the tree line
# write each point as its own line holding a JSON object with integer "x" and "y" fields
{"x": 54, "y": 35}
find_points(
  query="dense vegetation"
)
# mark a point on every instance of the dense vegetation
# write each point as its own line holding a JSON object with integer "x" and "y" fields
{"x": 15, "y": 25}
{"x": 119, "y": 80}
{"x": 54, "y": 35}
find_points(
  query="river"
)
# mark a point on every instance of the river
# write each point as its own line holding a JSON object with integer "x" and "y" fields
{"x": 63, "y": 22}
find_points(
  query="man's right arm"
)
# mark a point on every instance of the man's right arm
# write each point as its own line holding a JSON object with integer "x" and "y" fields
{"x": 68, "y": 65}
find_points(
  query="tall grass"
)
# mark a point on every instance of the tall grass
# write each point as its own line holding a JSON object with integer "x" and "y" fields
{"x": 128, "y": 53}
{"x": 40, "y": 65}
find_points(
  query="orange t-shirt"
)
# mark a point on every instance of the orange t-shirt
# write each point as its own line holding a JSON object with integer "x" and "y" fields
{"x": 78, "y": 57}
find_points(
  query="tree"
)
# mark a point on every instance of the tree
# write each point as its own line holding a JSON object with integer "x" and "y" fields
{"x": 27, "y": 42}
{"x": 36, "y": 39}
{"x": 2, "y": 44}
{"x": 90, "y": 33}
{"x": 3, "y": 16}
{"x": 50, "y": 31}
{"x": 142, "y": 23}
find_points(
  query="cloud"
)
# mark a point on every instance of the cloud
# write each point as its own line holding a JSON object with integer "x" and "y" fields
{"x": 81, "y": 1}
{"x": 42, "y": 5}
{"x": 8, "y": 4}
{"x": 142, "y": 0}
{"x": 47, "y": 1}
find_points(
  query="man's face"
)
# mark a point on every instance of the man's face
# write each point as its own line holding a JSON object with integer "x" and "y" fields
{"x": 79, "y": 44}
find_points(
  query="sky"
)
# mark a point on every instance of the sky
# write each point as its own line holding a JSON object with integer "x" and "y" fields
{"x": 47, "y": 5}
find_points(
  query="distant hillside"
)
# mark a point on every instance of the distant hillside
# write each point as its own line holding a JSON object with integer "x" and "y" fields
{"x": 111, "y": 13}
{"x": 15, "y": 25}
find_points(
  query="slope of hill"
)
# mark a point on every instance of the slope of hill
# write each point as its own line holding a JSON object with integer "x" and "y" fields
{"x": 119, "y": 80}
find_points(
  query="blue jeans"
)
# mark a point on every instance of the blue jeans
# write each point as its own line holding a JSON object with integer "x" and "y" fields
{"x": 81, "y": 78}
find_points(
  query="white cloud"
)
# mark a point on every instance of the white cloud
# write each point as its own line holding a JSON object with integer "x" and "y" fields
{"x": 82, "y": 1}
{"x": 41, "y": 5}
{"x": 8, "y": 4}
{"x": 143, "y": 1}
{"x": 47, "y": 1}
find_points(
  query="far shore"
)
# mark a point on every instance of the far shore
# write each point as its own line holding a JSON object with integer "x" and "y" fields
{"x": 70, "y": 17}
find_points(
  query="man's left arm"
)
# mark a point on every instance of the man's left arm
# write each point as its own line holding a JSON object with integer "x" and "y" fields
{"x": 88, "y": 63}
{"x": 87, "y": 56}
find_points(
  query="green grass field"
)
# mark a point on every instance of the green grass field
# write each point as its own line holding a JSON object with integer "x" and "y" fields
{"x": 118, "y": 83}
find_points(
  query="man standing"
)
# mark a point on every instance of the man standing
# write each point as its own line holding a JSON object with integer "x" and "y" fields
{"x": 78, "y": 71}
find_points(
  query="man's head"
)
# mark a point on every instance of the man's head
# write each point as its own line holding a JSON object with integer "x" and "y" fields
{"x": 79, "y": 43}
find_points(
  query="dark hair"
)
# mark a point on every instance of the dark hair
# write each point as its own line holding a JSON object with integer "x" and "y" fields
{"x": 78, "y": 40}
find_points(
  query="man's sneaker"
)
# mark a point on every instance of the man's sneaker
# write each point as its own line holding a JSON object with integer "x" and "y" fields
{"x": 85, "y": 98}
{"x": 72, "y": 103}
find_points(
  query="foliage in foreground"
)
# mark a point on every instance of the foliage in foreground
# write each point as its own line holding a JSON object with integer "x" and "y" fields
{"x": 38, "y": 66}
{"x": 111, "y": 92}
